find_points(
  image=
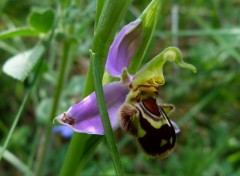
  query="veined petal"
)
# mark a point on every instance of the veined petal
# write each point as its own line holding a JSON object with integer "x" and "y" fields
{"x": 84, "y": 116}
{"x": 123, "y": 48}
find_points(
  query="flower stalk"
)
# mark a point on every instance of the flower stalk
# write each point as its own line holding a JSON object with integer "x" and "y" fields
{"x": 61, "y": 77}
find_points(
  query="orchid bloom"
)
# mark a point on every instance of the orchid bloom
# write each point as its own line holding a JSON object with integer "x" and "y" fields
{"x": 130, "y": 93}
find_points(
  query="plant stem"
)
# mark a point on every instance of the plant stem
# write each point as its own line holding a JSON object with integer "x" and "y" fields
{"x": 78, "y": 141}
{"x": 58, "y": 90}
{"x": 20, "y": 111}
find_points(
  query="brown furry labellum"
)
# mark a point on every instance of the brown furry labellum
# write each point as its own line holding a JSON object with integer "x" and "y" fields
{"x": 127, "y": 113}
{"x": 150, "y": 125}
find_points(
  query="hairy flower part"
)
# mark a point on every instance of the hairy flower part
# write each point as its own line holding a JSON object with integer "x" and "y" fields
{"x": 149, "y": 124}
{"x": 129, "y": 114}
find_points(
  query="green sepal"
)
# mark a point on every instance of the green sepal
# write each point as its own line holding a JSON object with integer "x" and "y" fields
{"x": 18, "y": 32}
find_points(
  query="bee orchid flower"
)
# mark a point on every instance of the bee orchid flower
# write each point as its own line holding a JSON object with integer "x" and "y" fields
{"x": 134, "y": 98}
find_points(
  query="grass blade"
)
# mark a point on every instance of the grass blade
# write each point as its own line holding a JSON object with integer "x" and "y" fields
{"x": 20, "y": 111}
{"x": 104, "y": 115}
{"x": 16, "y": 162}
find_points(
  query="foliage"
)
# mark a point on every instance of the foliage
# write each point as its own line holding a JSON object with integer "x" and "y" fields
{"x": 207, "y": 103}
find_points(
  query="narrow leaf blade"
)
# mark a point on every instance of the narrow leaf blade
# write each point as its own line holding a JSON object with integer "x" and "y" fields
{"x": 18, "y": 32}
{"x": 12, "y": 159}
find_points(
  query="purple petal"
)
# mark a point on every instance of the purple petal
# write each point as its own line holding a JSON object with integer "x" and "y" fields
{"x": 84, "y": 116}
{"x": 175, "y": 126}
{"x": 65, "y": 131}
{"x": 123, "y": 48}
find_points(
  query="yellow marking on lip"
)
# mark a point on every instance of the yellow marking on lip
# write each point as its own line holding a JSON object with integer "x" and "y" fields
{"x": 141, "y": 132}
{"x": 163, "y": 142}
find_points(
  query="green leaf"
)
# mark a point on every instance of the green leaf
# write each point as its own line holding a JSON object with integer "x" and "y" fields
{"x": 100, "y": 4}
{"x": 23, "y": 31}
{"x": 21, "y": 64}
{"x": 42, "y": 21}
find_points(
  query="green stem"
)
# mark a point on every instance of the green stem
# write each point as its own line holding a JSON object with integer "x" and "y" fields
{"x": 74, "y": 154}
{"x": 58, "y": 90}
{"x": 20, "y": 111}
{"x": 33, "y": 151}
{"x": 89, "y": 148}
{"x": 104, "y": 115}
{"x": 78, "y": 141}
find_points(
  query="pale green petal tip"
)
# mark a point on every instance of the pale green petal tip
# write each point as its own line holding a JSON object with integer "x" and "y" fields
{"x": 155, "y": 4}
{"x": 173, "y": 54}
{"x": 125, "y": 77}
{"x": 56, "y": 120}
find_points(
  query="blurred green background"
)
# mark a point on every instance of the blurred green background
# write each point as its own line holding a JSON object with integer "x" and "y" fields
{"x": 207, "y": 103}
